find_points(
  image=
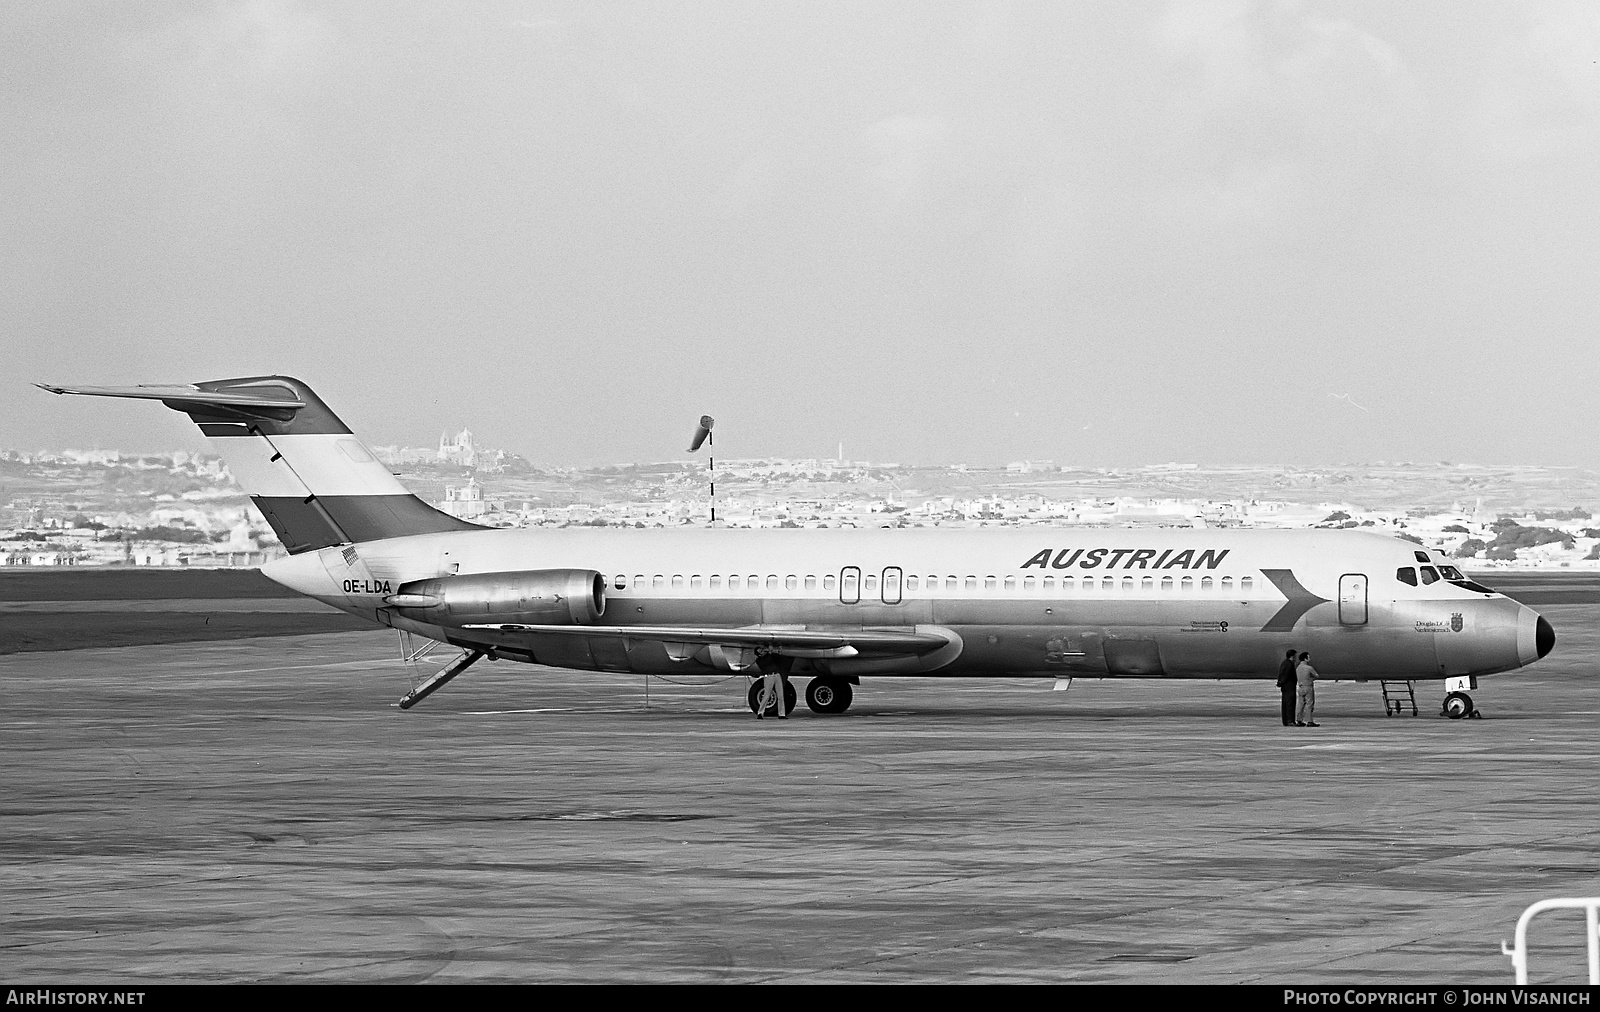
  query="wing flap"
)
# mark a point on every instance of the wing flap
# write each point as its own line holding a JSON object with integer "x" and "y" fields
{"x": 875, "y": 640}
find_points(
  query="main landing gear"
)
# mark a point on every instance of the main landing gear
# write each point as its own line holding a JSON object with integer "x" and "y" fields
{"x": 1458, "y": 705}
{"x": 823, "y": 695}
{"x": 754, "y": 698}
{"x": 828, "y": 695}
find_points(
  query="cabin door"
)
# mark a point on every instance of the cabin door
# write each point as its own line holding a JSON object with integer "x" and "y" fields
{"x": 850, "y": 585}
{"x": 1353, "y": 599}
{"x": 891, "y": 585}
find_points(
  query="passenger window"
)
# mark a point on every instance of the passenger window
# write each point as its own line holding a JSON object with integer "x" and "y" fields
{"x": 911, "y": 583}
{"x": 988, "y": 583}
{"x": 1245, "y": 583}
{"x": 694, "y": 581}
{"x": 1011, "y": 583}
{"x": 1166, "y": 583}
{"x": 1027, "y": 583}
{"x": 772, "y": 581}
{"x": 1429, "y": 575}
{"x": 972, "y": 583}
{"x": 622, "y": 582}
{"x": 1127, "y": 584}
{"x": 1086, "y": 586}
{"x": 827, "y": 581}
{"x": 869, "y": 586}
{"x": 1227, "y": 584}
{"x": 659, "y": 581}
{"x": 638, "y": 582}
{"x": 1147, "y": 584}
{"x": 1050, "y": 583}
{"x": 1108, "y": 584}
{"x": 1205, "y": 583}
{"x": 1406, "y": 575}
{"x": 791, "y": 582}
{"x": 1066, "y": 582}
{"x": 811, "y": 582}
{"x": 677, "y": 582}
{"x": 1187, "y": 584}
{"x": 716, "y": 581}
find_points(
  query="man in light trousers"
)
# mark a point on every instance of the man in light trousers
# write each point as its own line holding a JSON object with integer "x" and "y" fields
{"x": 1305, "y": 677}
{"x": 771, "y": 692}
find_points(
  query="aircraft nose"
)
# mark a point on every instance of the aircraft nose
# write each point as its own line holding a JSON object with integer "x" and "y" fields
{"x": 1536, "y": 637}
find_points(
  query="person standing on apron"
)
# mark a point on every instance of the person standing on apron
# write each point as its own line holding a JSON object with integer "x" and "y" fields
{"x": 1305, "y": 693}
{"x": 1286, "y": 688}
{"x": 771, "y": 693}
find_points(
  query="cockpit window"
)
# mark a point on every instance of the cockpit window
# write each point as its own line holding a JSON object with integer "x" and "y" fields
{"x": 1451, "y": 573}
{"x": 1406, "y": 575}
{"x": 1421, "y": 556}
{"x": 1429, "y": 575}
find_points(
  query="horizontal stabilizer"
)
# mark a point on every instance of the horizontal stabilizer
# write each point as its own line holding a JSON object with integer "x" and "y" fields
{"x": 185, "y": 395}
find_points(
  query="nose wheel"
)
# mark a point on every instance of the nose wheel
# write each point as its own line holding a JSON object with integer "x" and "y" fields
{"x": 1458, "y": 705}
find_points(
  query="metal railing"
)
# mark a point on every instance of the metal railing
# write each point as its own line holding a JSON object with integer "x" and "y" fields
{"x": 1519, "y": 954}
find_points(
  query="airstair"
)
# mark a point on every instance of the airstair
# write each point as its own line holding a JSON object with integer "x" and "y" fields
{"x": 1397, "y": 696}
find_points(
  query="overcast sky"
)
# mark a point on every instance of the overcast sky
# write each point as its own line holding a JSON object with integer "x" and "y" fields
{"x": 1100, "y": 233}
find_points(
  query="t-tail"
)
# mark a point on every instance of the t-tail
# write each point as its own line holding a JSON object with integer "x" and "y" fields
{"x": 313, "y": 480}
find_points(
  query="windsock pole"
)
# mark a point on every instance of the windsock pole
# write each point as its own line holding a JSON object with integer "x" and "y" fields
{"x": 702, "y": 436}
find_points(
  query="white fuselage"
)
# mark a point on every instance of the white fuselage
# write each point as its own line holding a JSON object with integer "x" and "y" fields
{"x": 1189, "y": 602}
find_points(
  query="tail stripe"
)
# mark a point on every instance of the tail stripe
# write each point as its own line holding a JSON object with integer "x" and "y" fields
{"x": 318, "y": 464}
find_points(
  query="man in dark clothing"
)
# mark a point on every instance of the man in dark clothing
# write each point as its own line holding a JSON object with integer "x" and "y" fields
{"x": 1286, "y": 686}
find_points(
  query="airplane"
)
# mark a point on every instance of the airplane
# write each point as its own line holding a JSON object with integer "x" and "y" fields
{"x": 832, "y": 606}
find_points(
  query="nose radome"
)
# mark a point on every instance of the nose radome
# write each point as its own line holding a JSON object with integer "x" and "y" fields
{"x": 1535, "y": 635}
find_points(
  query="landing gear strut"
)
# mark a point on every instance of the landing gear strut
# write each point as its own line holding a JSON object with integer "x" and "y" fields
{"x": 828, "y": 695}
{"x": 1458, "y": 705}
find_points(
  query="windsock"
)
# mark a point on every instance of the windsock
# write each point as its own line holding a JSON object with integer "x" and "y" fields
{"x": 702, "y": 432}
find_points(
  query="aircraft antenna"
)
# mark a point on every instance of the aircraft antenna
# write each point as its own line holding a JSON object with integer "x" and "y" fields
{"x": 702, "y": 435}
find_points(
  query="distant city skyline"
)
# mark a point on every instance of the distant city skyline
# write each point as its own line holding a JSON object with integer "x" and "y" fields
{"x": 1287, "y": 231}
{"x": 202, "y": 446}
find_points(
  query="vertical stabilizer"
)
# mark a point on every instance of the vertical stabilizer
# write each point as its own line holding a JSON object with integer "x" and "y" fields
{"x": 315, "y": 483}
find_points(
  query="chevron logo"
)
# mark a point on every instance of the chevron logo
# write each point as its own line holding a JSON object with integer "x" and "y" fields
{"x": 1300, "y": 600}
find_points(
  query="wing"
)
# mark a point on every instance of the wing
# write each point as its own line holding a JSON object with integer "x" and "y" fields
{"x": 792, "y": 642}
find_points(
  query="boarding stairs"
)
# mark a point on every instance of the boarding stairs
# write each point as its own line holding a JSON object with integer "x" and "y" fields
{"x": 1397, "y": 696}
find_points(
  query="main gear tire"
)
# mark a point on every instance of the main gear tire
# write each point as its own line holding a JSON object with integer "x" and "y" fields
{"x": 753, "y": 698}
{"x": 828, "y": 695}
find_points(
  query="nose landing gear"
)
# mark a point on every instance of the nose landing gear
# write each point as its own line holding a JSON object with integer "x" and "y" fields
{"x": 1458, "y": 705}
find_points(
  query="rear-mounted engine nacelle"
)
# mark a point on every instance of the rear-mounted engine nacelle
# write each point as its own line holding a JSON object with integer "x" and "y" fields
{"x": 532, "y": 597}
